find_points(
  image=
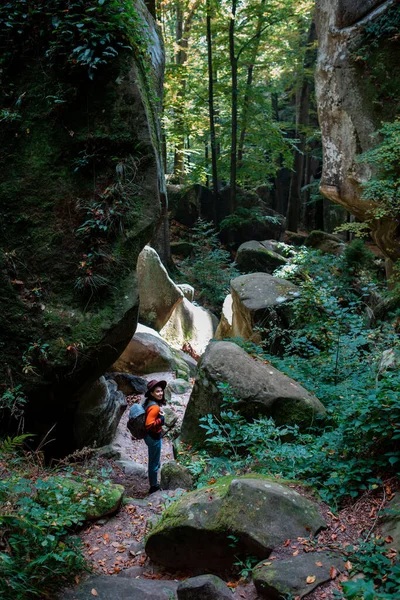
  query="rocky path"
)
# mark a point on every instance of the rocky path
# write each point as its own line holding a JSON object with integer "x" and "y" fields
{"x": 114, "y": 547}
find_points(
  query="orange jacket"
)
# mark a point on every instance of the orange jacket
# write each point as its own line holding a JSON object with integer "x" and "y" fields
{"x": 154, "y": 422}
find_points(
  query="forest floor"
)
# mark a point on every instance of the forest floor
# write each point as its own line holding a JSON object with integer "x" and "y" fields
{"x": 115, "y": 545}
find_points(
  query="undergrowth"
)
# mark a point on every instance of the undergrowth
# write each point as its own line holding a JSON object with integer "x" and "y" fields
{"x": 334, "y": 348}
{"x": 39, "y": 508}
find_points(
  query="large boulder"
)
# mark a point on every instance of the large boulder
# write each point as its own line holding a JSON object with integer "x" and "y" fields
{"x": 357, "y": 76}
{"x": 259, "y": 301}
{"x": 100, "y": 408}
{"x": 75, "y": 217}
{"x": 197, "y": 530}
{"x": 128, "y": 384}
{"x": 122, "y": 588}
{"x": 295, "y": 576}
{"x": 175, "y": 476}
{"x": 255, "y": 256}
{"x": 188, "y": 203}
{"x": 258, "y": 387}
{"x": 147, "y": 352}
{"x": 325, "y": 242}
{"x": 224, "y": 329}
{"x": 265, "y": 225}
{"x": 190, "y": 323}
{"x": 158, "y": 294}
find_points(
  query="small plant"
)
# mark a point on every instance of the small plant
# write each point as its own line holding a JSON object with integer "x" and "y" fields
{"x": 210, "y": 269}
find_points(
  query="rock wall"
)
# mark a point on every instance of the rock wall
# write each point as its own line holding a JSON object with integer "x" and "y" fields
{"x": 80, "y": 196}
{"x": 354, "y": 97}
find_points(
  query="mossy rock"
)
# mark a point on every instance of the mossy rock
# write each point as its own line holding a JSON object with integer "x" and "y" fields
{"x": 250, "y": 515}
{"x": 68, "y": 304}
{"x": 100, "y": 499}
{"x": 288, "y": 577}
{"x": 175, "y": 476}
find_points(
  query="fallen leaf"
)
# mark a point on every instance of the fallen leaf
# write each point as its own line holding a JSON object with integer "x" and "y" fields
{"x": 333, "y": 572}
{"x": 319, "y": 563}
{"x": 389, "y": 539}
{"x": 232, "y": 584}
{"x": 348, "y": 565}
{"x": 94, "y": 592}
{"x": 295, "y": 553}
{"x": 310, "y": 579}
{"x": 286, "y": 543}
{"x": 333, "y": 516}
{"x": 266, "y": 564}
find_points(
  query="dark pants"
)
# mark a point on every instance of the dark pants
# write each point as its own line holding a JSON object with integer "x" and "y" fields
{"x": 154, "y": 448}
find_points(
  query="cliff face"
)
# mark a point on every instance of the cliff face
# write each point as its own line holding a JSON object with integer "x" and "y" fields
{"x": 355, "y": 95}
{"x": 80, "y": 196}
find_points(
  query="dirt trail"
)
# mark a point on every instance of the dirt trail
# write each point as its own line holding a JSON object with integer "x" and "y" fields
{"x": 116, "y": 543}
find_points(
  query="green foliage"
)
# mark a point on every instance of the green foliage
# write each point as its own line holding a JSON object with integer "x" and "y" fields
{"x": 243, "y": 216}
{"x": 82, "y": 33}
{"x": 210, "y": 269}
{"x": 384, "y": 188}
{"x": 38, "y": 507}
{"x": 380, "y": 567}
{"x": 336, "y": 355}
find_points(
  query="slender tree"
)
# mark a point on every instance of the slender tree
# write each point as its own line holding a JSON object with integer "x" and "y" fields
{"x": 302, "y": 121}
{"x": 215, "y": 185}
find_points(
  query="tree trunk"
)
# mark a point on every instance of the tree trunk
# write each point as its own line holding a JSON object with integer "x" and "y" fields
{"x": 234, "y": 107}
{"x": 182, "y": 35}
{"x": 246, "y": 100}
{"x": 302, "y": 119}
{"x": 211, "y": 113}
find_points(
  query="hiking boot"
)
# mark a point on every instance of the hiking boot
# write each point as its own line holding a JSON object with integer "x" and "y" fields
{"x": 154, "y": 488}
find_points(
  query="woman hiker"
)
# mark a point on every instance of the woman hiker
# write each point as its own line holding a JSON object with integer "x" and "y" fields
{"x": 154, "y": 398}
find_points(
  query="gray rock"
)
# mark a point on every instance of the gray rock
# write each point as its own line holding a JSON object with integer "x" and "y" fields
{"x": 100, "y": 408}
{"x": 204, "y": 587}
{"x": 179, "y": 386}
{"x": 158, "y": 294}
{"x": 261, "y": 301}
{"x": 122, "y": 588}
{"x": 109, "y": 451}
{"x": 131, "y": 468}
{"x": 190, "y": 323}
{"x": 175, "y": 476}
{"x": 263, "y": 257}
{"x": 391, "y": 523}
{"x": 259, "y": 388}
{"x": 260, "y": 513}
{"x": 147, "y": 352}
{"x": 171, "y": 418}
{"x": 224, "y": 329}
{"x": 132, "y": 572}
{"x": 190, "y": 362}
{"x": 188, "y": 291}
{"x": 288, "y": 576}
{"x": 325, "y": 242}
{"x": 127, "y": 383}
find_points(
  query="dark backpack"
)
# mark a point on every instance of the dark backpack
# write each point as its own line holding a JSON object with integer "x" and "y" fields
{"x": 137, "y": 419}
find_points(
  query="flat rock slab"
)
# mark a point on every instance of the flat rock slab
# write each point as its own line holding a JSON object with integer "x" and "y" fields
{"x": 204, "y": 587}
{"x": 196, "y": 531}
{"x": 295, "y": 575}
{"x": 122, "y": 588}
